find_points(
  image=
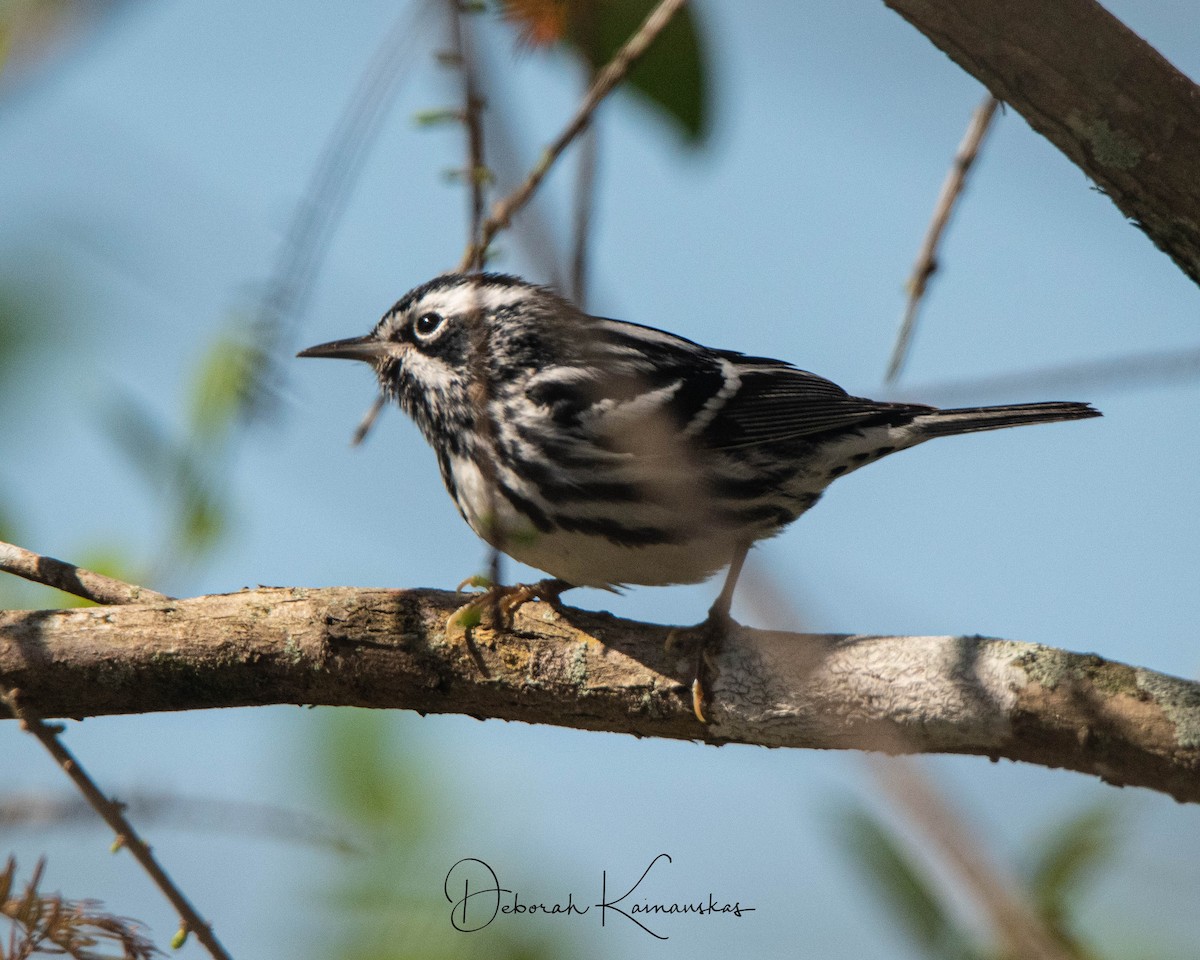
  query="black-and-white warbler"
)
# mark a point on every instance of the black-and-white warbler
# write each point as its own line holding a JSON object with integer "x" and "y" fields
{"x": 618, "y": 453}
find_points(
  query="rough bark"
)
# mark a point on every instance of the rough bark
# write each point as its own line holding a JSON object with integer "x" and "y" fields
{"x": 388, "y": 648}
{"x": 1094, "y": 89}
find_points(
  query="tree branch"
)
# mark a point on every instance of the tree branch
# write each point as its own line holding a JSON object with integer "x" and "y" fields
{"x": 592, "y": 671}
{"x": 72, "y": 579}
{"x": 1112, "y": 104}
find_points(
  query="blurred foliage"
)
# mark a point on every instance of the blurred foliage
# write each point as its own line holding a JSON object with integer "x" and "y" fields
{"x": 181, "y": 468}
{"x": 1063, "y": 862}
{"x": 29, "y": 309}
{"x": 189, "y": 466}
{"x": 672, "y": 76}
{"x": 226, "y": 387}
{"x": 36, "y": 33}
{"x": 915, "y": 904}
{"x": 388, "y": 903}
{"x": 20, "y": 315}
{"x": 1067, "y": 857}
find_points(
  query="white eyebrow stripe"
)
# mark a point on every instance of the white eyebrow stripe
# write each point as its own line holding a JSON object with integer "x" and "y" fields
{"x": 469, "y": 296}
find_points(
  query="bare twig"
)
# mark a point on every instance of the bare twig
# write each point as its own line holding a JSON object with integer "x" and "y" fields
{"x": 72, "y": 579}
{"x": 368, "y": 419}
{"x": 585, "y": 172}
{"x": 190, "y": 921}
{"x": 536, "y": 234}
{"x": 606, "y": 81}
{"x": 585, "y": 195}
{"x": 927, "y": 264}
{"x": 472, "y": 114}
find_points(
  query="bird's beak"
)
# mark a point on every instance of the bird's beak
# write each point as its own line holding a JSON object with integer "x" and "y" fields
{"x": 354, "y": 348}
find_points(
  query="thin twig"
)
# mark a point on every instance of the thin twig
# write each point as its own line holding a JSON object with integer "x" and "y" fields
{"x": 368, "y": 419}
{"x": 585, "y": 171}
{"x": 536, "y": 234}
{"x": 585, "y": 195}
{"x": 606, "y": 81}
{"x": 190, "y": 921}
{"x": 926, "y": 263}
{"x": 472, "y": 115}
{"x": 72, "y": 579}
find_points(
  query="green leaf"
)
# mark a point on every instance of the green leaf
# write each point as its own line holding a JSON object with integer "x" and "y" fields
{"x": 900, "y": 884}
{"x": 673, "y": 73}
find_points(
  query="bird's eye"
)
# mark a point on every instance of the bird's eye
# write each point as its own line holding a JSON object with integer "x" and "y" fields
{"x": 427, "y": 324}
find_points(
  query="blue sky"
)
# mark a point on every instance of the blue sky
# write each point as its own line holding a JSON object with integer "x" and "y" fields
{"x": 146, "y": 185}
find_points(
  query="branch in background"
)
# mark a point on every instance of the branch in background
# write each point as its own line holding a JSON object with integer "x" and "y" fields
{"x": 210, "y": 815}
{"x": 606, "y": 81}
{"x": 342, "y": 157}
{"x": 1133, "y": 372}
{"x": 189, "y": 920}
{"x": 72, "y": 579}
{"x": 390, "y": 649}
{"x": 926, "y": 265}
{"x": 584, "y": 204}
{"x": 324, "y": 201}
{"x": 1112, "y": 104}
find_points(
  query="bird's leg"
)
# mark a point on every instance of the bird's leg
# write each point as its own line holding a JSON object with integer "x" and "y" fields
{"x": 505, "y": 600}
{"x": 709, "y": 636}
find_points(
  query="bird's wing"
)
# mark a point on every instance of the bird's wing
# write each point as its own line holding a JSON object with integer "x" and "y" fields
{"x": 626, "y": 375}
{"x": 776, "y": 402}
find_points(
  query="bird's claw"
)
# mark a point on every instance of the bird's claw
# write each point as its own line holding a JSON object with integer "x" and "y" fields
{"x": 705, "y": 640}
{"x": 503, "y": 601}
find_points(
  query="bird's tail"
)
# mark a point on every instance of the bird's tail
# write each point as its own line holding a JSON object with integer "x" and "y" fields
{"x": 944, "y": 423}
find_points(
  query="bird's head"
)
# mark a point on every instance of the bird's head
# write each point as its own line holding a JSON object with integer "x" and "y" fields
{"x": 421, "y": 350}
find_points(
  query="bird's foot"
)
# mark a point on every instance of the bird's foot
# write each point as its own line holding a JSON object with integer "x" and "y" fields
{"x": 503, "y": 602}
{"x": 705, "y": 640}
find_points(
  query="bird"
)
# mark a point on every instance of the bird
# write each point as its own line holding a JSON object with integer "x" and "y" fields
{"x": 607, "y": 453}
